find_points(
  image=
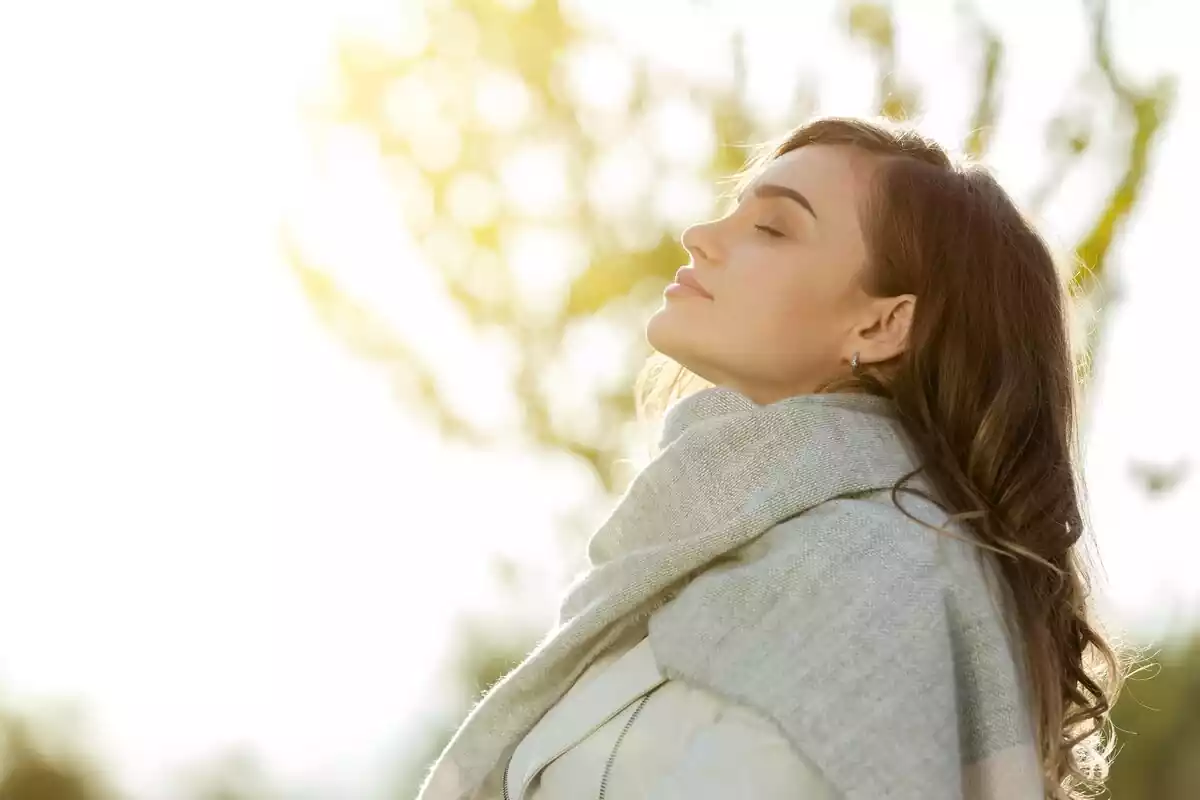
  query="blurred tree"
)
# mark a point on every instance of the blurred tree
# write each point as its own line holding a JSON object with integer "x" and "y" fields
{"x": 548, "y": 203}
{"x": 34, "y": 767}
{"x": 233, "y": 775}
{"x": 35, "y": 779}
{"x": 39, "y": 761}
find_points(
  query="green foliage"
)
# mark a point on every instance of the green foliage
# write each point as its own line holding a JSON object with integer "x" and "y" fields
{"x": 873, "y": 24}
{"x": 1142, "y": 111}
{"x": 1158, "y": 729}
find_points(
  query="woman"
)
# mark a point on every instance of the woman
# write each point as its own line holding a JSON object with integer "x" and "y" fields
{"x": 851, "y": 570}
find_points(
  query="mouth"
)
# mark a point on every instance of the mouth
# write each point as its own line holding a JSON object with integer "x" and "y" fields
{"x": 686, "y": 283}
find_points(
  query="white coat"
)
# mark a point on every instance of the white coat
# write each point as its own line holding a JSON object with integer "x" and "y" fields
{"x": 625, "y": 732}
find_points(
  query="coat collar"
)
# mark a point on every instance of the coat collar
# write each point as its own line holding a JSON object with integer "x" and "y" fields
{"x": 595, "y": 701}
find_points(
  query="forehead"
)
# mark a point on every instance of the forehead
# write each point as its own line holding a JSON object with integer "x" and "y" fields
{"x": 833, "y": 177}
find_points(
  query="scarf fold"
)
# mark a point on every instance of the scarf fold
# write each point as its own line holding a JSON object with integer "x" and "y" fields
{"x": 764, "y": 547}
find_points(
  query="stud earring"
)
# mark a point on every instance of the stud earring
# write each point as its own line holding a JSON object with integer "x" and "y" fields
{"x": 854, "y": 363}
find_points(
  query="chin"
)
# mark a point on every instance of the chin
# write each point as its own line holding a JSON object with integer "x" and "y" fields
{"x": 665, "y": 332}
{"x": 674, "y": 336}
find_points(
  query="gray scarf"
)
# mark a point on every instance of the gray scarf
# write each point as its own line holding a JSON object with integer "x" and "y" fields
{"x": 764, "y": 547}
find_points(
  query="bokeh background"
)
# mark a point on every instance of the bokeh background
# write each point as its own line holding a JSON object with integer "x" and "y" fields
{"x": 319, "y": 320}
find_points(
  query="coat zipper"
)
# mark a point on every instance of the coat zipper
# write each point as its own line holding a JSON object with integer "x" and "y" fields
{"x": 645, "y": 614}
{"x": 598, "y": 726}
{"x": 613, "y": 755}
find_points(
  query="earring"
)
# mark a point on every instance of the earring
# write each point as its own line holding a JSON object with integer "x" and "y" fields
{"x": 854, "y": 363}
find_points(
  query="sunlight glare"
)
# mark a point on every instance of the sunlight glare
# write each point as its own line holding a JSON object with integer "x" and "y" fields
{"x": 515, "y": 5}
{"x": 413, "y": 192}
{"x": 472, "y": 199}
{"x": 400, "y": 28}
{"x": 543, "y": 260}
{"x": 457, "y": 36}
{"x": 436, "y": 145}
{"x": 681, "y": 133}
{"x": 599, "y": 76}
{"x": 502, "y": 100}
{"x": 534, "y": 179}
{"x": 448, "y": 244}
{"x": 412, "y": 104}
{"x": 681, "y": 198}
{"x": 620, "y": 178}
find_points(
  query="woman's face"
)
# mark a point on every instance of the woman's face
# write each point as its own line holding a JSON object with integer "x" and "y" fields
{"x": 777, "y": 306}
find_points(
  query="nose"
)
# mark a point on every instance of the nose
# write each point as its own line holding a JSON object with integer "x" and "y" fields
{"x": 700, "y": 243}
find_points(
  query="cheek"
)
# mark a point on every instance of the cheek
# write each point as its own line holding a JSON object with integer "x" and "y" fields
{"x": 786, "y": 326}
{"x": 777, "y": 307}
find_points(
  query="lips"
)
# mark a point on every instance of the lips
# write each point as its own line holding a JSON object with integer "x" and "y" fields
{"x": 686, "y": 276}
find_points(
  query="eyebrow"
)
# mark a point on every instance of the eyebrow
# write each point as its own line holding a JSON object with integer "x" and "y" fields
{"x": 766, "y": 190}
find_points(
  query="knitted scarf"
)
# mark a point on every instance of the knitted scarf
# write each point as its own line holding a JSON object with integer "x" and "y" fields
{"x": 764, "y": 545}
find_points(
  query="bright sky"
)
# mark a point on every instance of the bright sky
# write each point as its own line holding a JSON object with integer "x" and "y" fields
{"x": 217, "y": 527}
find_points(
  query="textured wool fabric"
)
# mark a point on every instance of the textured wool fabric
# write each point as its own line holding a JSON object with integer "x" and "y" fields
{"x": 764, "y": 545}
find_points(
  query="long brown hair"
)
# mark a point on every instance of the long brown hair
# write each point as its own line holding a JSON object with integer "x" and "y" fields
{"x": 986, "y": 389}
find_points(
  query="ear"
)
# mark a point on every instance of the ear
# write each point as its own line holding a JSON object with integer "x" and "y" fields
{"x": 883, "y": 333}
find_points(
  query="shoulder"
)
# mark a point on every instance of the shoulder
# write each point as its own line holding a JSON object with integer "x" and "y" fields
{"x": 854, "y": 572}
{"x": 878, "y": 538}
{"x": 829, "y": 611}
{"x": 854, "y": 577}
{"x": 910, "y": 517}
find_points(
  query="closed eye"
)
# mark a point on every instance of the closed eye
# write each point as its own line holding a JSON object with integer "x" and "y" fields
{"x": 769, "y": 231}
